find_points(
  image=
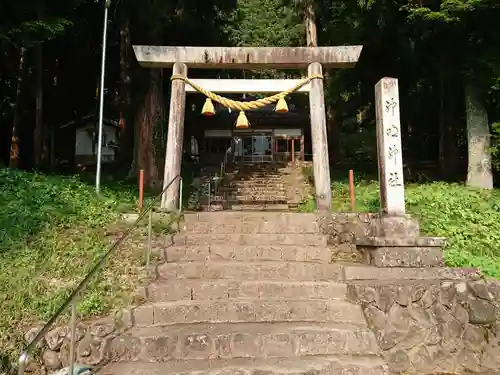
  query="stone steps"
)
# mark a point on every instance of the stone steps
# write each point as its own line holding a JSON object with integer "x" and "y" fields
{"x": 253, "y": 189}
{"x": 233, "y": 270}
{"x": 249, "y": 226}
{"x": 245, "y": 200}
{"x": 370, "y": 274}
{"x": 260, "y": 183}
{"x": 268, "y": 196}
{"x": 188, "y": 289}
{"x": 338, "y": 365}
{"x": 260, "y": 207}
{"x": 249, "y": 174}
{"x": 264, "y": 195}
{"x": 249, "y": 193}
{"x": 217, "y": 206}
{"x": 256, "y": 201}
{"x": 256, "y": 183}
{"x": 246, "y": 189}
{"x": 293, "y": 219}
{"x": 247, "y": 253}
{"x": 248, "y": 340}
{"x": 247, "y": 293}
{"x": 247, "y": 311}
{"x": 261, "y": 186}
{"x": 298, "y": 239}
{"x": 272, "y": 181}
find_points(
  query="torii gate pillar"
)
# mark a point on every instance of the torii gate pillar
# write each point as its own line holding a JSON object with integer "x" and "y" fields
{"x": 175, "y": 139}
{"x": 321, "y": 166}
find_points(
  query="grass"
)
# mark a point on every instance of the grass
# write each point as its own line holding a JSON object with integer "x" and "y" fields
{"x": 468, "y": 218}
{"x": 52, "y": 230}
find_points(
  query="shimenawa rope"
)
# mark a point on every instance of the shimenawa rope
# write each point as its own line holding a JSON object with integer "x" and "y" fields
{"x": 243, "y": 106}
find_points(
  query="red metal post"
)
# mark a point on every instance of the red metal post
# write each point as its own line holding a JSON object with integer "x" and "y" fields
{"x": 141, "y": 189}
{"x": 351, "y": 190}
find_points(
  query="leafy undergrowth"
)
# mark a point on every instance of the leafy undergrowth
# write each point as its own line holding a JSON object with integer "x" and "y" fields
{"x": 52, "y": 230}
{"x": 468, "y": 218}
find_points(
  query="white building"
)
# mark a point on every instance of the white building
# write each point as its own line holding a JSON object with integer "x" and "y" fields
{"x": 85, "y": 147}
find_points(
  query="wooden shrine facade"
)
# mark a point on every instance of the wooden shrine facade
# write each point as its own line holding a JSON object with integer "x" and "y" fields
{"x": 314, "y": 59}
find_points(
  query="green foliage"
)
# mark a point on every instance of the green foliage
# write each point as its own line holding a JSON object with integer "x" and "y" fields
{"x": 468, "y": 218}
{"x": 20, "y": 23}
{"x": 31, "y": 32}
{"x": 307, "y": 205}
{"x": 264, "y": 23}
{"x": 52, "y": 230}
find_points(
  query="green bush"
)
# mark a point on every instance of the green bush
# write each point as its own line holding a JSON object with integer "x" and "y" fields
{"x": 52, "y": 230}
{"x": 468, "y": 218}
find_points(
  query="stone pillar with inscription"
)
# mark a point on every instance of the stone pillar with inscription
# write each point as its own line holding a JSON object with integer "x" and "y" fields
{"x": 396, "y": 241}
{"x": 389, "y": 147}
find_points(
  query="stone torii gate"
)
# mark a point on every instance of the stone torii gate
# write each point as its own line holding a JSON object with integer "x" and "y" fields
{"x": 314, "y": 59}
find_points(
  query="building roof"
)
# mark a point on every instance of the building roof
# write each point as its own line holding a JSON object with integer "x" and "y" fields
{"x": 84, "y": 120}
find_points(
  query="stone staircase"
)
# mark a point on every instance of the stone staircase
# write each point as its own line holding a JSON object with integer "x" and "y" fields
{"x": 249, "y": 293}
{"x": 255, "y": 187}
{"x": 260, "y": 187}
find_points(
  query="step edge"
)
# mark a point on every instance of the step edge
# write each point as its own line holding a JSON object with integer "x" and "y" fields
{"x": 250, "y": 327}
{"x": 364, "y": 361}
{"x": 342, "y": 303}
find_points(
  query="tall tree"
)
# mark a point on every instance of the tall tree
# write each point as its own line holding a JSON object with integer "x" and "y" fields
{"x": 310, "y": 23}
{"x": 262, "y": 23}
{"x": 478, "y": 139}
{"x": 38, "y": 136}
{"x": 126, "y": 122}
{"x": 14, "y": 146}
{"x": 22, "y": 32}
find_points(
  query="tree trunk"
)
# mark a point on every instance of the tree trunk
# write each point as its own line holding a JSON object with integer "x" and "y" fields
{"x": 54, "y": 77}
{"x": 333, "y": 134}
{"x": 14, "y": 146}
{"x": 310, "y": 22}
{"x": 150, "y": 113}
{"x": 38, "y": 135}
{"x": 126, "y": 130}
{"x": 442, "y": 123}
{"x": 478, "y": 140}
{"x": 332, "y": 125}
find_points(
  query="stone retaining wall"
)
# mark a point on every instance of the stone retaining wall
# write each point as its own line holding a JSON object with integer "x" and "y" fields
{"x": 344, "y": 230}
{"x": 348, "y": 227}
{"x": 96, "y": 342}
{"x": 434, "y": 327}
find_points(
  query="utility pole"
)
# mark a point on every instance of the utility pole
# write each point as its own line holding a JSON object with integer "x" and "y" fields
{"x": 107, "y": 4}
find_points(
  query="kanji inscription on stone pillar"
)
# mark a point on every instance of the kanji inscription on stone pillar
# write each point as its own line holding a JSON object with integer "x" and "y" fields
{"x": 389, "y": 147}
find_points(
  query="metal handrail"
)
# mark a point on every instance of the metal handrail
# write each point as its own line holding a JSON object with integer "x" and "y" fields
{"x": 223, "y": 169}
{"x": 223, "y": 165}
{"x": 71, "y": 300}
